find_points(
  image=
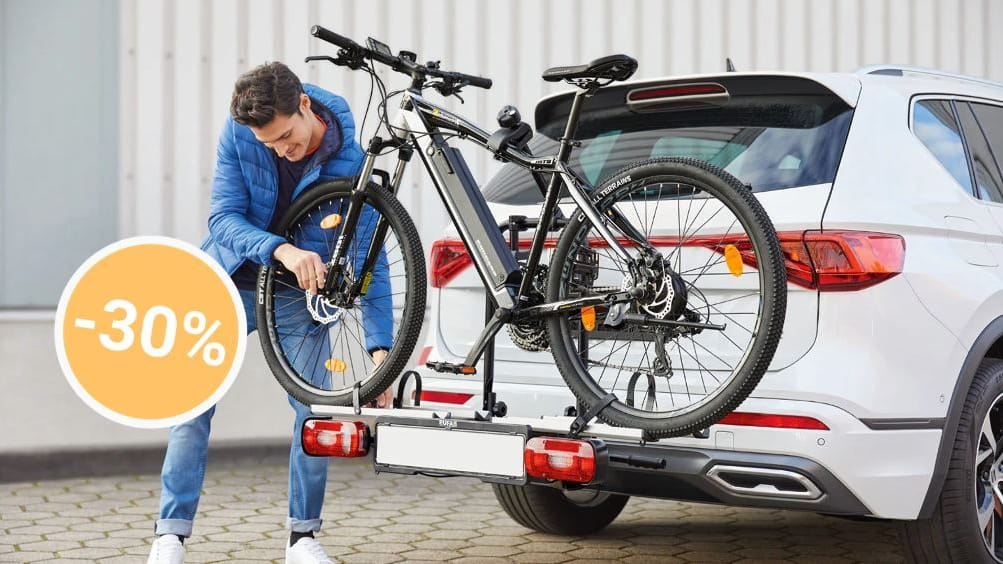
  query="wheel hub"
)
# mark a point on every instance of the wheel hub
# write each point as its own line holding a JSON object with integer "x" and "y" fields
{"x": 663, "y": 292}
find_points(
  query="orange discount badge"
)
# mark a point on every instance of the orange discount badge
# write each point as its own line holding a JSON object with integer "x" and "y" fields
{"x": 150, "y": 332}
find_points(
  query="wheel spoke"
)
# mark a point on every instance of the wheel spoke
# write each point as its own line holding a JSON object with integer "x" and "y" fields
{"x": 984, "y": 454}
{"x": 997, "y": 500}
{"x": 988, "y": 438}
{"x": 986, "y": 521}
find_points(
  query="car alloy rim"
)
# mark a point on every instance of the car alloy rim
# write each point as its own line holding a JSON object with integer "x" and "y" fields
{"x": 989, "y": 479}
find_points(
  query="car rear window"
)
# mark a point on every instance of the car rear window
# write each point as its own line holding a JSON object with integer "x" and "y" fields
{"x": 768, "y": 142}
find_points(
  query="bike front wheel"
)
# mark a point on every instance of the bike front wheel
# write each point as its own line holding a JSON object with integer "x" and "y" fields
{"x": 710, "y": 296}
{"x": 322, "y": 347}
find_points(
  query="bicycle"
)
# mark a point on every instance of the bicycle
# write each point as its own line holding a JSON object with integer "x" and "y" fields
{"x": 611, "y": 286}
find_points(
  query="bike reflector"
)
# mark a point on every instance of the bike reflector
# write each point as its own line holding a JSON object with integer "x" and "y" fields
{"x": 345, "y": 439}
{"x": 331, "y": 221}
{"x": 567, "y": 460}
{"x": 734, "y": 259}
{"x": 589, "y": 318}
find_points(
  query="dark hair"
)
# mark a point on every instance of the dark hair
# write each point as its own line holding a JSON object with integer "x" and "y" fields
{"x": 262, "y": 92}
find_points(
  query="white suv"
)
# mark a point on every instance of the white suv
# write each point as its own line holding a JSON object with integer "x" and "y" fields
{"x": 885, "y": 397}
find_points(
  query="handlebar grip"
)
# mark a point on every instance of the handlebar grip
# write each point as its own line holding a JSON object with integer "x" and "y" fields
{"x": 332, "y": 37}
{"x": 478, "y": 81}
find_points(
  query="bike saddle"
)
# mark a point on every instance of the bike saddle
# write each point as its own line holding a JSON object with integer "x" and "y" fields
{"x": 611, "y": 67}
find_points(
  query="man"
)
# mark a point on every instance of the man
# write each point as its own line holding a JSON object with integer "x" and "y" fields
{"x": 281, "y": 137}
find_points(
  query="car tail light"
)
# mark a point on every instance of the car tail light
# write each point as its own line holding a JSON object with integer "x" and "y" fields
{"x": 772, "y": 420}
{"x": 457, "y": 398}
{"x": 449, "y": 257}
{"x": 852, "y": 260}
{"x": 567, "y": 460}
{"x": 423, "y": 356}
{"x": 346, "y": 439}
{"x": 828, "y": 261}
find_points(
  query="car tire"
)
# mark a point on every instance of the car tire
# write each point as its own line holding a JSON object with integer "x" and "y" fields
{"x": 551, "y": 510}
{"x": 953, "y": 533}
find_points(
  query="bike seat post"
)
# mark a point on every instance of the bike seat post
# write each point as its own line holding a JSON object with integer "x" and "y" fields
{"x": 568, "y": 141}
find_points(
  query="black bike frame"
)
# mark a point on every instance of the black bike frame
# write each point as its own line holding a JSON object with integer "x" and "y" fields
{"x": 422, "y": 124}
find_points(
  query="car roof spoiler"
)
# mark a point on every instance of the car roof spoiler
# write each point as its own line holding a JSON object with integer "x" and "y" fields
{"x": 632, "y": 96}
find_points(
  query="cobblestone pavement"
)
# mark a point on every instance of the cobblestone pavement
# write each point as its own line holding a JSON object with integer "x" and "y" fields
{"x": 387, "y": 518}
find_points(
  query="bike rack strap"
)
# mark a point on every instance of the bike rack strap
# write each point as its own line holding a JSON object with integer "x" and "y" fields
{"x": 583, "y": 420}
{"x": 399, "y": 400}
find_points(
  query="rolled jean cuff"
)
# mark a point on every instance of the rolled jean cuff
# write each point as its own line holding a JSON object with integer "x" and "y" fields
{"x": 303, "y": 525}
{"x": 180, "y": 527}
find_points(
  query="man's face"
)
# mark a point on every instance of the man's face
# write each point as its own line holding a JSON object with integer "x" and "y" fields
{"x": 288, "y": 136}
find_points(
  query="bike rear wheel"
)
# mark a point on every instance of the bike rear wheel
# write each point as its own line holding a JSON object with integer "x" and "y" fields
{"x": 319, "y": 350}
{"x": 718, "y": 268}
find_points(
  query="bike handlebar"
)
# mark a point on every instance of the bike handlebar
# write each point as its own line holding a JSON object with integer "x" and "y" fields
{"x": 397, "y": 63}
{"x": 332, "y": 37}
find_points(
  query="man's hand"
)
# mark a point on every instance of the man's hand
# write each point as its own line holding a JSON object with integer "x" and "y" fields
{"x": 386, "y": 399}
{"x": 306, "y": 265}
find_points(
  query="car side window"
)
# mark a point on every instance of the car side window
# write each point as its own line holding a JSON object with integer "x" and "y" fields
{"x": 990, "y": 119}
{"x": 934, "y": 124}
{"x": 988, "y": 180}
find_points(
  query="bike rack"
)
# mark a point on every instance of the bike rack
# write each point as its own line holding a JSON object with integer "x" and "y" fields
{"x": 576, "y": 421}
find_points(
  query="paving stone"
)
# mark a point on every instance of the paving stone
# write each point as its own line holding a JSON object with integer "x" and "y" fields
{"x": 75, "y": 536}
{"x": 499, "y": 551}
{"x": 116, "y": 542}
{"x": 450, "y": 534}
{"x": 407, "y": 538}
{"x": 542, "y": 558}
{"x": 196, "y": 556}
{"x": 22, "y": 557}
{"x": 647, "y": 559}
{"x": 496, "y": 540}
{"x": 371, "y": 558}
{"x": 89, "y": 553}
{"x": 708, "y": 557}
{"x": 390, "y": 518}
{"x": 600, "y": 553}
{"x": 48, "y": 546}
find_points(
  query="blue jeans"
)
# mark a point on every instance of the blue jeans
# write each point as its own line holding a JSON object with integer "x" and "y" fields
{"x": 188, "y": 445}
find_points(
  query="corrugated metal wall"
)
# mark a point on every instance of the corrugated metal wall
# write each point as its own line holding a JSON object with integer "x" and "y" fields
{"x": 179, "y": 59}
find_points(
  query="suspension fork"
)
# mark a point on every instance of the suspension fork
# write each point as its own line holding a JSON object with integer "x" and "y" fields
{"x": 361, "y": 284}
{"x": 356, "y": 205}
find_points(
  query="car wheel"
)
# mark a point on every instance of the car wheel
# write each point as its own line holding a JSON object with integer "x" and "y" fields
{"x": 967, "y": 523}
{"x": 551, "y": 510}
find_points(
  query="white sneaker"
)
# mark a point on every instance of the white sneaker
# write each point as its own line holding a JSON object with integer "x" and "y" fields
{"x": 306, "y": 551}
{"x": 167, "y": 549}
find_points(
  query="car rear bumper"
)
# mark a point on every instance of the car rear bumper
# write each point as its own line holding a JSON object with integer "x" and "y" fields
{"x": 858, "y": 470}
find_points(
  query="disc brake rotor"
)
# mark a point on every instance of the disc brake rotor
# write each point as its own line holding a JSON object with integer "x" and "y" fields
{"x": 322, "y": 310}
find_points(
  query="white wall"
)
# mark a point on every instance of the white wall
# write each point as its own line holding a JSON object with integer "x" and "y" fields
{"x": 178, "y": 60}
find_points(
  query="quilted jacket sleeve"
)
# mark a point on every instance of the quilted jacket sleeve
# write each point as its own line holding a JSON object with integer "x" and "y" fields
{"x": 229, "y": 204}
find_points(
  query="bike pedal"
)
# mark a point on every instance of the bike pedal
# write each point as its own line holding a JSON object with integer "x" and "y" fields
{"x": 450, "y": 367}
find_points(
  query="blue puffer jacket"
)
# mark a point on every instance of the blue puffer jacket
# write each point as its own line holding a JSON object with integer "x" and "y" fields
{"x": 244, "y": 192}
